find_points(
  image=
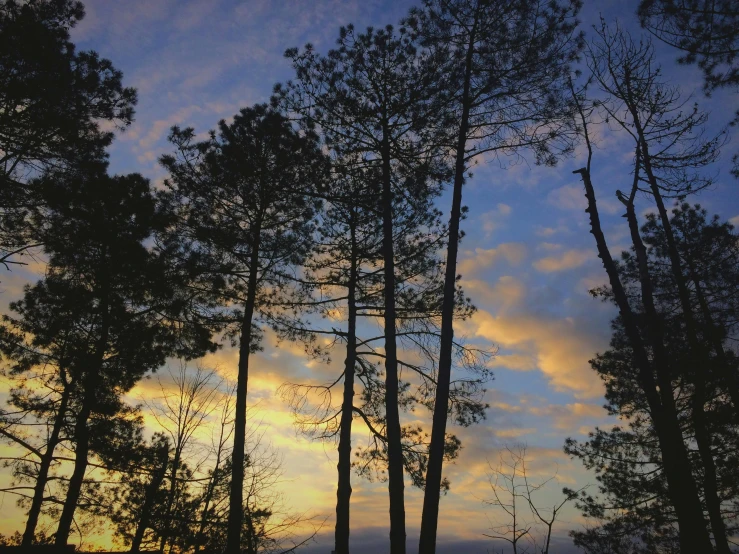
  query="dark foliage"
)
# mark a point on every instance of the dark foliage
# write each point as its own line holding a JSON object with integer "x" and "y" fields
{"x": 56, "y": 107}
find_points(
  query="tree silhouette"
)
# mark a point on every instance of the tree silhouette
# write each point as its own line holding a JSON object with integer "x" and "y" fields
{"x": 181, "y": 413}
{"x": 247, "y": 199}
{"x": 347, "y": 280}
{"x": 36, "y": 347}
{"x": 634, "y": 509}
{"x": 368, "y": 98}
{"x": 670, "y": 149}
{"x": 53, "y": 100}
{"x": 624, "y": 70}
{"x": 705, "y": 31}
{"x": 115, "y": 290}
{"x": 502, "y": 80}
{"x": 513, "y": 492}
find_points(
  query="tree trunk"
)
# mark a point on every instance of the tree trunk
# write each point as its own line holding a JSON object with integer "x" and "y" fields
{"x": 699, "y": 355}
{"x": 206, "y": 506}
{"x": 710, "y": 482}
{"x": 344, "y": 488}
{"x": 90, "y": 382}
{"x": 432, "y": 492}
{"x": 681, "y": 486}
{"x": 236, "y": 496}
{"x": 392, "y": 413}
{"x": 151, "y": 491}
{"x": 170, "y": 498}
{"x": 43, "y": 473}
{"x": 656, "y": 336}
{"x": 212, "y": 484}
{"x": 82, "y": 449}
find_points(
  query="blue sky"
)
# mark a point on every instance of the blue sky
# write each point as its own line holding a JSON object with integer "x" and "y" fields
{"x": 527, "y": 260}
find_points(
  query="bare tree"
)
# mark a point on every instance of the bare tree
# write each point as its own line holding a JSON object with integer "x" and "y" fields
{"x": 525, "y": 526}
{"x": 180, "y": 413}
{"x": 505, "y": 482}
{"x": 219, "y": 448}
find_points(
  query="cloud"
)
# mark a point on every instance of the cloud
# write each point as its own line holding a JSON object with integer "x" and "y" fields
{"x": 512, "y": 252}
{"x": 570, "y": 417}
{"x": 493, "y": 219}
{"x": 550, "y": 231}
{"x": 504, "y": 209}
{"x": 506, "y": 293}
{"x": 514, "y": 432}
{"x": 590, "y": 282}
{"x": 568, "y": 197}
{"x": 559, "y": 347}
{"x": 549, "y": 246}
{"x": 505, "y": 407}
{"x": 572, "y": 197}
{"x": 568, "y": 260}
{"x": 734, "y": 221}
{"x": 514, "y": 362}
{"x": 161, "y": 126}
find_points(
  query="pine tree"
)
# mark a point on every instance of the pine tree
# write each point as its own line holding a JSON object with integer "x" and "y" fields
{"x": 369, "y": 99}
{"x": 501, "y": 70}
{"x": 53, "y": 100}
{"x": 634, "y": 511}
{"x": 246, "y": 198}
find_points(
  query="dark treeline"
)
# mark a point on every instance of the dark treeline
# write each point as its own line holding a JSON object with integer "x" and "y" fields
{"x": 316, "y": 218}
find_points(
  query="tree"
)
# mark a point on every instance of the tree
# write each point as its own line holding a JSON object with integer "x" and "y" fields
{"x": 180, "y": 413}
{"x": 219, "y": 451}
{"x": 36, "y": 348}
{"x": 115, "y": 289}
{"x": 139, "y": 501}
{"x": 504, "y": 479}
{"x": 42, "y": 346}
{"x": 53, "y": 100}
{"x": 369, "y": 99}
{"x": 705, "y": 31}
{"x": 342, "y": 276}
{"x": 633, "y": 511}
{"x": 140, "y": 492}
{"x": 268, "y": 526}
{"x": 513, "y": 493}
{"x": 346, "y": 279}
{"x": 246, "y": 197}
{"x": 670, "y": 150}
{"x": 503, "y": 69}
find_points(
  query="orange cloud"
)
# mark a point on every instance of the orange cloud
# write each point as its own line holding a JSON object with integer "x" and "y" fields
{"x": 568, "y": 260}
{"x": 568, "y": 417}
{"x": 558, "y": 348}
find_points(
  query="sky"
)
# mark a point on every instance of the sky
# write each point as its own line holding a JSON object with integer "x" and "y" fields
{"x": 527, "y": 260}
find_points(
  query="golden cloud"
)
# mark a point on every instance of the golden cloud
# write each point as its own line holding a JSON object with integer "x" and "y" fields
{"x": 560, "y": 350}
{"x": 505, "y": 294}
{"x": 568, "y": 260}
{"x": 568, "y": 417}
